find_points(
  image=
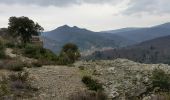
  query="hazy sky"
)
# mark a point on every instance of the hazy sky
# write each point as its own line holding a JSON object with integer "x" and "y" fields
{"x": 96, "y": 15}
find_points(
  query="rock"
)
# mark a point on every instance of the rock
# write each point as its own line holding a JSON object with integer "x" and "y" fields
{"x": 122, "y": 76}
{"x": 147, "y": 98}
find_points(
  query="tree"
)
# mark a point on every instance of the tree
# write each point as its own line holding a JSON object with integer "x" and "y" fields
{"x": 69, "y": 54}
{"x": 23, "y": 28}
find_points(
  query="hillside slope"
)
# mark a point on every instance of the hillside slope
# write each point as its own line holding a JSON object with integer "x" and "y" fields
{"x": 84, "y": 38}
{"x": 152, "y": 51}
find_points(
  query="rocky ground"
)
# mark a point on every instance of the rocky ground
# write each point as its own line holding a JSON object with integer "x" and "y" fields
{"x": 10, "y": 53}
{"x": 56, "y": 82}
{"x": 53, "y": 82}
{"x": 122, "y": 78}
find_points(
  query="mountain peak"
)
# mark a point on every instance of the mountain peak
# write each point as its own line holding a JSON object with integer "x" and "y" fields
{"x": 64, "y": 27}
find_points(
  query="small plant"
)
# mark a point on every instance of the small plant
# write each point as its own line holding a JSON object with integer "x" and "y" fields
{"x": 37, "y": 64}
{"x": 161, "y": 79}
{"x": 19, "y": 80}
{"x": 10, "y": 45}
{"x": 4, "y": 88}
{"x": 81, "y": 67}
{"x": 16, "y": 65}
{"x": 17, "y": 84}
{"x": 88, "y": 95}
{"x": 69, "y": 54}
{"x": 21, "y": 76}
{"x": 92, "y": 84}
{"x": 2, "y": 50}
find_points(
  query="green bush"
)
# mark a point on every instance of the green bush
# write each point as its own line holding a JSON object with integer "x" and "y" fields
{"x": 69, "y": 54}
{"x": 88, "y": 95}
{"x": 4, "y": 88}
{"x": 161, "y": 79}
{"x": 2, "y": 51}
{"x": 10, "y": 45}
{"x": 38, "y": 52}
{"x": 91, "y": 84}
{"x": 37, "y": 64}
{"x": 16, "y": 66}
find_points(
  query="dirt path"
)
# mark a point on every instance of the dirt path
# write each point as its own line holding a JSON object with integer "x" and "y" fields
{"x": 56, "y": 82}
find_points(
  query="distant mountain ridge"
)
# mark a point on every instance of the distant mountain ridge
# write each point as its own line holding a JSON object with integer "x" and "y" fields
{"x": 85, "y": 39}
{"x": 93, "y": 41}
{"x": 143, "y": 34}
{"x": 151, "y": 51}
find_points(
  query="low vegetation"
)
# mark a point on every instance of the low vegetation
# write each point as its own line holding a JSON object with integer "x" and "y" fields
{"x": 161, "y": 79}
{"x": 69, "y": 54}
{"x": 92, "y": 84}
{"x": 88, "y": 95}
{"x": 16, "y": 84}
{"x": 2, "y": 50}
{"x": 38, "y": 52}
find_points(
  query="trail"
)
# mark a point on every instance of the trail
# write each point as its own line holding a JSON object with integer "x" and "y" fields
{"x": 56, "y": 82}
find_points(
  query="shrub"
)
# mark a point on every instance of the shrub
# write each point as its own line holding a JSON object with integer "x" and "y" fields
{"x": 92, "y": 84}
{"x": 16, "y": 65}
{"x": 69, "y": 54}
{"x": 21, "y": 76}
{"x": 10, "y": 45}
{"x": 38, "y": 52}
{"x": 19, "y": 80}
{"x": 63, "y": 59}
{"x": 16, "y": 84}
{"x": 4, "y": 88}
{"x": 2, "y": 51}
{"x": 160, "y": 79}
{"x": 88, "y": 95}
{"x": 37, "y": 64}
{"x": 81, "y": 67}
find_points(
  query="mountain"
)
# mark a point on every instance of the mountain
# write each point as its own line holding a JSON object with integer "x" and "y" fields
{"x": 152, "y": 51}
{"x": 143, "y": 34}
{"x": 121, "y": 30}
{"x": 85, "y": 39}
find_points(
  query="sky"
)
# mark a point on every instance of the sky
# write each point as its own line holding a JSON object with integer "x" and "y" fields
{"x": 96, "y": 15}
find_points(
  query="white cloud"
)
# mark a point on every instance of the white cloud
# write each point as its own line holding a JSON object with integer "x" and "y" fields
{"x": 93, "y": 15}
{"x": 158, "y": 7}
{"x": 59, "y": 2}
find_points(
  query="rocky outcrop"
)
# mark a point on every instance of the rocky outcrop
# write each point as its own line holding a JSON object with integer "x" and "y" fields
{"x": 122, "y": 78}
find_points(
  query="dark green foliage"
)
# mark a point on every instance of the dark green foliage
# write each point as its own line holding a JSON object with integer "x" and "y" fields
{"x": 88, "y": 95}
{"x": 69, "y": 54}
{"x": 4, "y": 89}
{"x": 37, "y": 64}
{"x": 92, "y": 84}
{"x": 24, "y": 28}
{"x": 2, "y": 51}
{"x": 161, "y": 79}
{"x": 38, "y": 52}
{"x": 10, "y": 45}
{"x": 15, "y": 65}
